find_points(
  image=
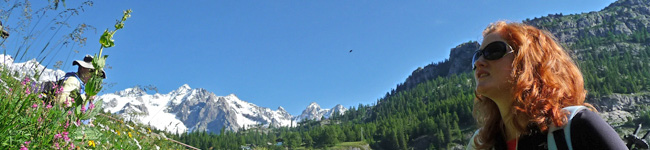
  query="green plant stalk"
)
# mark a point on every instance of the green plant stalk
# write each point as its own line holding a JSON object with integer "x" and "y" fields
{"x": 101, "y": 49}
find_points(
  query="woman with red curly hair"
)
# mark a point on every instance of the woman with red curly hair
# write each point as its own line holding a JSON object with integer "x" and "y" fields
{"x": 524, "y": 79}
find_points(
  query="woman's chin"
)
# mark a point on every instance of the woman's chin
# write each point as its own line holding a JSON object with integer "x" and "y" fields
{"x": 484, "y": 90}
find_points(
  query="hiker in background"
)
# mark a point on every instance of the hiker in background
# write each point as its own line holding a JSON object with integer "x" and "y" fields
{"x": 76, "y": 81}
{"x": 525, "y": 85}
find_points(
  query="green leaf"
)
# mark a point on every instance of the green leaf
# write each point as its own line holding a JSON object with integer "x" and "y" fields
{"x": 99, "y": 63}
{"x": 93, "y": 86}
{"x": 107, "y": 39}
{"x": 92, "y": 113}
{"x": 77, "y": 98}
{"x": 91, "y": 133}
{"x": 77, "y": 110}
{"x": 98, "y": 105}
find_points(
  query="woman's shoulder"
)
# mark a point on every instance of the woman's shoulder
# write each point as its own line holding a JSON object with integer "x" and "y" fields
{"x": 588, "y": 129}
{"x": 588, "y": 119}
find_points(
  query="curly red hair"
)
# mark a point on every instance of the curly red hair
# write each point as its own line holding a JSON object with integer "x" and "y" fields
{"x": 545, "y": 80}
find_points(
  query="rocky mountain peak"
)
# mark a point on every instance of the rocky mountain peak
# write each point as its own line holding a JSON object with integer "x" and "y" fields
{"x": 628, "y": 3}
{"x": 29, "y": 68}
{"x": 183, "y": 89}
{"x": 460, "y": 59}
{"x": 231, "y": 97}
{"x": 338, "y": 109}
{"x": 313, "y": 105}
{"x": 131, "y": 92}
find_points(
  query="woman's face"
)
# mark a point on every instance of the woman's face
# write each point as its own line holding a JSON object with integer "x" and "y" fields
{"x": 493, "y": 78}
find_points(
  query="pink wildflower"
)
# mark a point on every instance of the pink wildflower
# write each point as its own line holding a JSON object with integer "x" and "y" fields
{"x": 40, "y": 119}
{"x": 24, "y": 147}
{"x": 27, "y": 91}
{"x": 91, "y": 106}
{"x": 65, "y": 137}
{"x": 69, "y": 112}
{"x": 40, "y": 95}
{"x": 57, "y": 136}
{"x": 34, "y": 106}
{"x": 25, "y": 81}
{"x": 48, "y": 106}
{"x": 58, "y": 90}
{"x": 67, "y": 124}
{"x": 56, "y": 145}
{"x": 83, "y": 108}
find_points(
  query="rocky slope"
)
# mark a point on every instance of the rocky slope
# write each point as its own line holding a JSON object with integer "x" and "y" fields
{"x": 619, "y": 108}
{"x": 460, "y": 59}
{"x": 620, "y": 17}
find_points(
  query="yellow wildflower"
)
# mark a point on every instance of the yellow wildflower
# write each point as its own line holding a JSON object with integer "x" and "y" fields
{"x": 149, "y": 130}
{"x": 91, "y": 143}
{"x": 118, "y": 132}
{"x": 130, "y": 134}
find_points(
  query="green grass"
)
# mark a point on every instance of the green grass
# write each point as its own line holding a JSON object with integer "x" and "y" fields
{"x": 29, "y": 122}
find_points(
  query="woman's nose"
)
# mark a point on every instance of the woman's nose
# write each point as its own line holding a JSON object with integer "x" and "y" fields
{"x": 480, "y": 62}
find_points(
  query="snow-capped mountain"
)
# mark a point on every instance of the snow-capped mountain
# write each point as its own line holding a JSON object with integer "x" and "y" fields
{"x": 30, "y": 68}
{"x": 186, "y": 109}
{"x": 314, "y": 112}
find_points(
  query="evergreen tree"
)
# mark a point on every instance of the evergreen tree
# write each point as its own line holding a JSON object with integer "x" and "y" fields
{"x": 309, "y": 142}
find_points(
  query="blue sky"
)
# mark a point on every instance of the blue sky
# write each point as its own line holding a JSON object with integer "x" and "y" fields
{"x": 291, "y": 53}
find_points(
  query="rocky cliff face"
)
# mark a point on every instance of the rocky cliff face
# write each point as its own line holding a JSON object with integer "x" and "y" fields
{"x": 620, "y": 17}
{"x": 618, "y": 108}
{"x": 460, "y": 59}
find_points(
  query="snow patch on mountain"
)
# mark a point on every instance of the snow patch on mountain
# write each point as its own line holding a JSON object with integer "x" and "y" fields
{"x": 315, "y": 112}
{"x": 30, "y": 68}
{"x": 186, "y": 110}
{"x": 136, "y": 104}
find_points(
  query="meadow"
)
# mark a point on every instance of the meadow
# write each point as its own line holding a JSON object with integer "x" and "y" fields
{"x": 33, "y": 119}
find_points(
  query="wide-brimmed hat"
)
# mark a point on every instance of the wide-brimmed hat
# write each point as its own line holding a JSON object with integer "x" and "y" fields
{"x": 87, "y": 62}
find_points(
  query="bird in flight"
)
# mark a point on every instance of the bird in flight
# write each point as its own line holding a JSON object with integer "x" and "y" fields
{"x": 350, "y": 51}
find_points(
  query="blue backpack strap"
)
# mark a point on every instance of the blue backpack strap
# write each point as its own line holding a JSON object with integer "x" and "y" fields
{"x": 550, "y": 139}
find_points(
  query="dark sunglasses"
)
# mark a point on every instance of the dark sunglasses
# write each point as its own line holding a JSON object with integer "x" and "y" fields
{"x": 492, "y": 51}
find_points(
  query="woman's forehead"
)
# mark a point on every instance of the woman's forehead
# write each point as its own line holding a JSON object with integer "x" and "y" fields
{"x": 491, "y": 37}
